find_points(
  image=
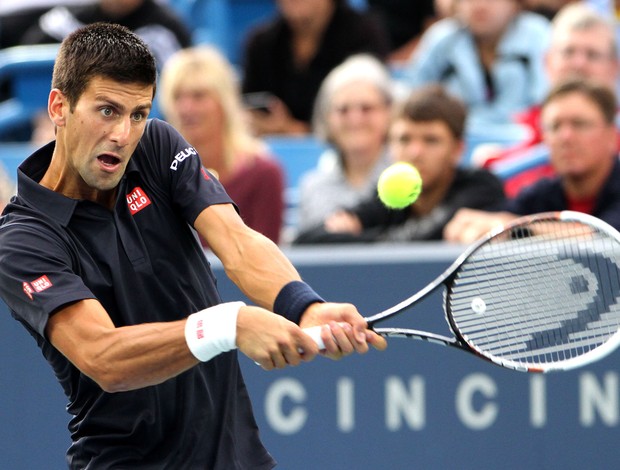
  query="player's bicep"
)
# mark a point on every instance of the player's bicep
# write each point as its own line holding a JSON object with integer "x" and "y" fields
{"x": 78, "y": 330}
{"x": 222, "y": 227}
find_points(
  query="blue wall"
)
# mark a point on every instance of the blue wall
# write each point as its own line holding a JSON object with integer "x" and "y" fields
{"x": 415, "y": 405}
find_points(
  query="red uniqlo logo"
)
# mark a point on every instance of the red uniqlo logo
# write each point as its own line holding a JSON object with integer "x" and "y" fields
{"x": 200, "y": 334}
{"x": 27, "y": 290}
{"x": 39, "y": 285}
{"x": 137, "y": 200}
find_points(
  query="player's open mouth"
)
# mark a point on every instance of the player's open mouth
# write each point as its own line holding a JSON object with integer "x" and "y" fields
{"x": 109, "y": 161}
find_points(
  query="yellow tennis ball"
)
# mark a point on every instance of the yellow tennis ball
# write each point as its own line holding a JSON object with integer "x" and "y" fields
{"x": 399, "y": 185}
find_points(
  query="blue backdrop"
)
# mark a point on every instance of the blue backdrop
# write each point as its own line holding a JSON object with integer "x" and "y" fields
{"x": 415, "y": 405}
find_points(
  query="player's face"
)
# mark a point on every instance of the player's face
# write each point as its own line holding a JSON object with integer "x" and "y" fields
{"x": 581, "y": 143}
{"x": 427, "y": 145}
{"x": 585, "y": 54}
{"x": 358, "y": 119}
{"x": 99, "y": 136}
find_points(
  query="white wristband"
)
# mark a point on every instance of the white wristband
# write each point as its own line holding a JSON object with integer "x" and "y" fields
{"x": 213, "y": 330}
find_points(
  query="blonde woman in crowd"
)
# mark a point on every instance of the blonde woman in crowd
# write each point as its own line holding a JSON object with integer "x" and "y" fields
{"x": 200, "y": 97}
{"x": 352, "y": 114}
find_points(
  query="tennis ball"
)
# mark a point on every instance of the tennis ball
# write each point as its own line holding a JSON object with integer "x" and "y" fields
{"x": 399, "y": 185}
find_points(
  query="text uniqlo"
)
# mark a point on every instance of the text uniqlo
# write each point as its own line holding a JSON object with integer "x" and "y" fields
{"x": 137, "y": 200}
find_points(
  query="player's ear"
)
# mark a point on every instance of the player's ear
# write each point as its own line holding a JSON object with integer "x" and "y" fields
{"x": 57, "y": 107}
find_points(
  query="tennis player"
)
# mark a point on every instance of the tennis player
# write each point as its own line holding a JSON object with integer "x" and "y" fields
{"x": 99, "y": 262}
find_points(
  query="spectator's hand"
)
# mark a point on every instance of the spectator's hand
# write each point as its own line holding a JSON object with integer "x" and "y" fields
{"x": 468, "y": 225}
{"x": 344, "y": 330}
{"x": 343, "y": 222}
{"x": 277, "y": 120}
{"x": 272, "y": 341}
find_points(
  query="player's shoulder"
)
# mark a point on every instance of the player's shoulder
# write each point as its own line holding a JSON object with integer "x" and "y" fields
{"x": 155, "y": 127}
{"x": 22, "y": 227}
{"x": 160, "y": 140}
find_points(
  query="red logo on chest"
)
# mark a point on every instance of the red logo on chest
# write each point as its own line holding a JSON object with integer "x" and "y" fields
{"x": 137, "y": 200}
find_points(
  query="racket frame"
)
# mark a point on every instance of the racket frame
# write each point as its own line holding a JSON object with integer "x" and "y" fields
{"x": 458, "y": 341}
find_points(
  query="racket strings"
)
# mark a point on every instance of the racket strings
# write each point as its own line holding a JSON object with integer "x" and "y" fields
{"x": 547, "y": 293}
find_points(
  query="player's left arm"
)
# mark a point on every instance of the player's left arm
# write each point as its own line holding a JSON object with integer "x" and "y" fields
{"x": 260, "y": 269}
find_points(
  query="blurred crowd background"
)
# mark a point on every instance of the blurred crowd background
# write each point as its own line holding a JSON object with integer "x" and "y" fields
{"x": 298, "y": 105}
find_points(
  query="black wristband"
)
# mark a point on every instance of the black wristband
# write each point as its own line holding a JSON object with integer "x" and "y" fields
{"x": 293, "y": 300}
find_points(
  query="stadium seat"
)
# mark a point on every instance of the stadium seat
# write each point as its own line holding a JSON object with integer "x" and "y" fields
{"x": 297, "y": 155}
{"x": 223, "y": 23}
{"x": 27, "y": 71}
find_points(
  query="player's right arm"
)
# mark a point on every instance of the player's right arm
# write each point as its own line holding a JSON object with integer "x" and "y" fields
{"x": 132, "y": 357}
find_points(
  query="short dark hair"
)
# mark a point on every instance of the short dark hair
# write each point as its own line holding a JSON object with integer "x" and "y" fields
{"x": 432, "y": 103}
{"x": 601, "y": 95}
{"x": 102, "y": 50}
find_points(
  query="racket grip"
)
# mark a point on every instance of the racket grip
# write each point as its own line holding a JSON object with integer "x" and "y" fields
{"x": 315, "y": 333}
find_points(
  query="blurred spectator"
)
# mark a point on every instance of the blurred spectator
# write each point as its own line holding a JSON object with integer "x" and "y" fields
{"x": 16, "y": 16}
{"x": 404, "y": 21}
{"x": 12, "y": 6}
{"x": 352, "y": 114}
{"x": 156, "y": 23}
{"x": 7, "y": 187}
{"x": 582, "y": 45}
{"x": 427, "y": 132}
{"x": 289, "y": 56}
{"x": 578, "y": 122}
{"x": 546, "y": 8}
{"x": 489, "y": 53}
{"x": 200, "y": 97}
{"x": 443, "y": 8}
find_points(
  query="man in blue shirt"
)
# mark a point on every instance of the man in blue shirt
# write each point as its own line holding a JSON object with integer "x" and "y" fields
{"x": 99, "y": 263}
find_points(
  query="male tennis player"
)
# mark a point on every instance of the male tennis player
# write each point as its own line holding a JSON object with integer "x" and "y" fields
{"x": 99, "y": 263}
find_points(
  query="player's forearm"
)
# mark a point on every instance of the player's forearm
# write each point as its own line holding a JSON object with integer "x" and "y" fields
{"x": 134, "y": 357}
{"x": 261, "y": 270}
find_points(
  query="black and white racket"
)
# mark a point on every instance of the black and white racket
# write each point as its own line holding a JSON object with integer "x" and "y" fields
{"x": 540, "y": 294}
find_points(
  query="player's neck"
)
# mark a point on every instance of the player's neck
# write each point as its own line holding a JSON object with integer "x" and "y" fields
{"x": 62, "y": 179}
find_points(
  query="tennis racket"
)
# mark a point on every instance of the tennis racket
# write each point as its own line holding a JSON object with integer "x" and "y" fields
{"x": 538, "y": 295}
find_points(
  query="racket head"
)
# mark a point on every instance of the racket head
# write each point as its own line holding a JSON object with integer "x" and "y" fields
{"x": 540, "y": 294}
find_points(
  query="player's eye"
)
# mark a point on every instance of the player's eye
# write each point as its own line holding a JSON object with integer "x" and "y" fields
{"x": 138, "y": 117}
{"x": 106, "y": 111}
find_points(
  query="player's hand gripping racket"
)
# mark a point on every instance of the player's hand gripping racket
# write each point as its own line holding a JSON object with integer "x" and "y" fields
{"x": 538, "y": 295}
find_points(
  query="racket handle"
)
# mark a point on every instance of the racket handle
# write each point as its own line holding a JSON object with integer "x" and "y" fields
{"x": 315, "y": 333}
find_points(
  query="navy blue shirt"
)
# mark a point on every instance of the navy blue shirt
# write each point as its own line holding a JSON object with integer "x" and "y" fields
{"x": 548, "y": 195}
{"x": 143, "y": 262}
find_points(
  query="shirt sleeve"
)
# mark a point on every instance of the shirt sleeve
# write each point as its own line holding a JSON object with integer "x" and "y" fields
{"x": 38, "y": 273}
{"x": 175, "y": 167}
